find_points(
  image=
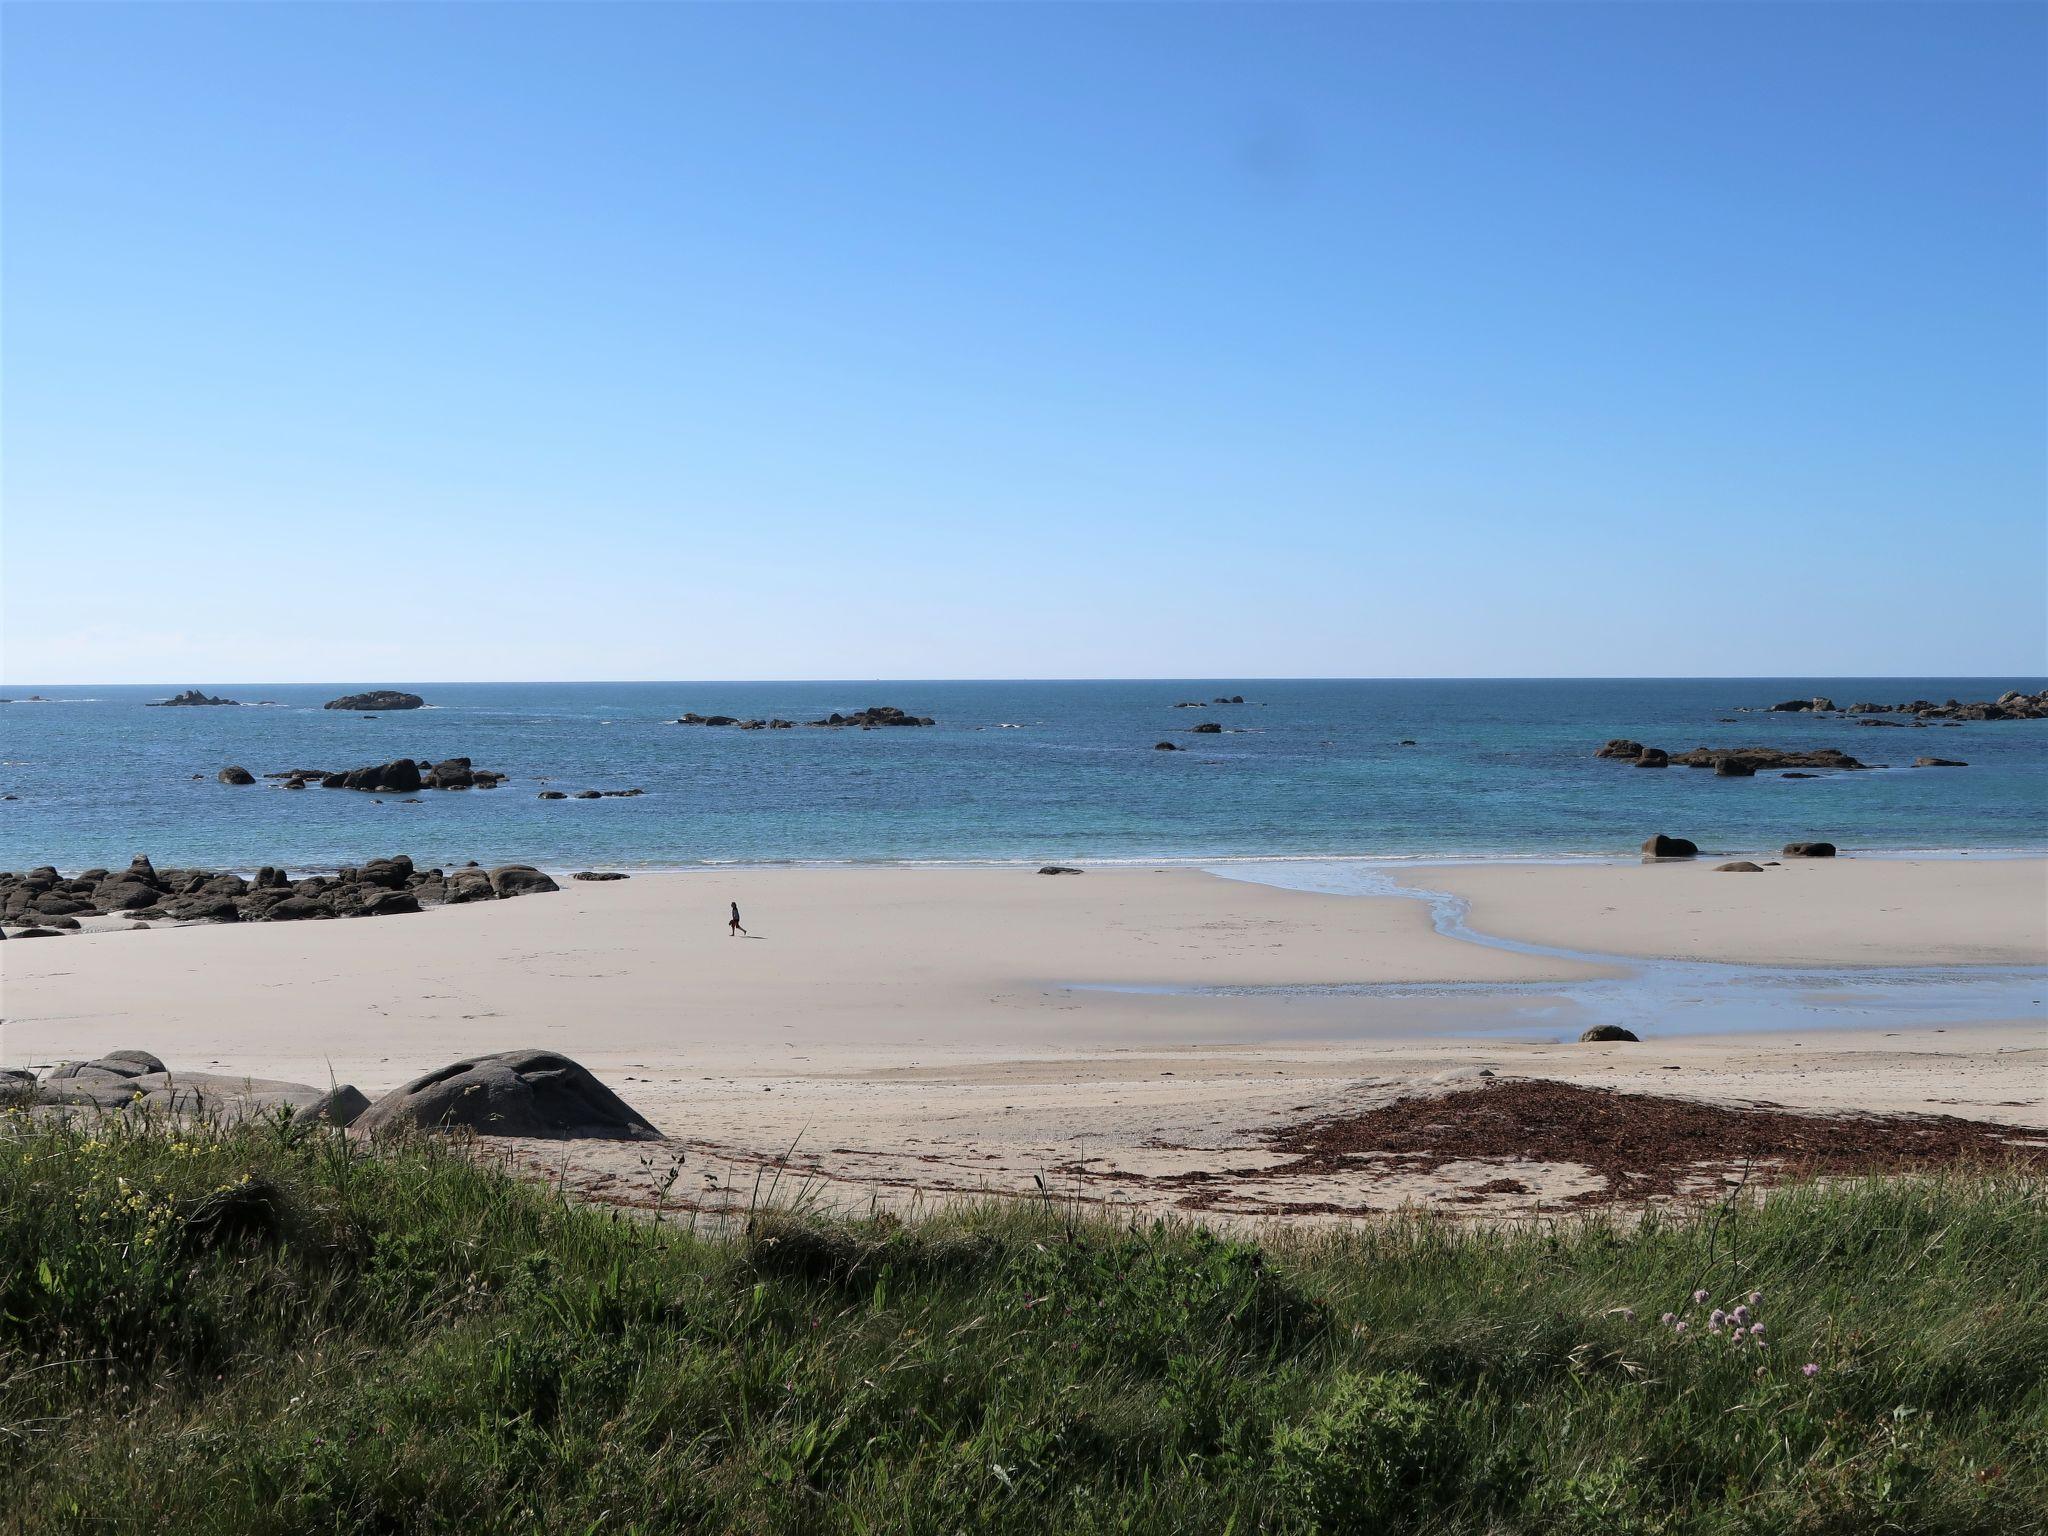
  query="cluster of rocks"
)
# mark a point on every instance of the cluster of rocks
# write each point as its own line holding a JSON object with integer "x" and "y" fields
{"x": 865, "y": 719}
{"x": 591, "y": 794}
{"x": 1729, "y": 762}
{"x": 42, "y": 902}
{"x": 512, "y": 1093}
{"x": 381, "y": 701}
{"x": 192, "y": 697}
{"x": 1235, "y": 698}
{"x": 400, "y": 776}
{"x": 1661, "y": 847}
{"x": 2011, "y": 705}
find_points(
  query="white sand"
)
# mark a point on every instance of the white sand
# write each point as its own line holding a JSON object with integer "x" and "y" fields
{"x": 914, "y": 1030}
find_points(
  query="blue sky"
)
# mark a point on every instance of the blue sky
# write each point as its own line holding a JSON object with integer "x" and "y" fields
{"x": 636, "y": 341}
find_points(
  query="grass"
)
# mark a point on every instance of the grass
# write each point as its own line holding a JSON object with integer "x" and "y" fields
{"x": 249, "y": 1331}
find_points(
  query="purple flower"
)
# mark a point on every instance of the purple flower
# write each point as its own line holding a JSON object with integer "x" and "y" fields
{"x": 1755, "y": 1297}
{"x": 1738, "y": 1333}
{"x": 1628, "y": 1314}
{"x": 1678, "y": 1328}
{"x": 1668, "y": 1319}
{"x": 1739, "y": 1315}
{"x": 1756, "y": 1332}
{"x": 1716, "y": 1319}
{"x": 1809, "y": 1369}
{"x": 1698, "y": 1297}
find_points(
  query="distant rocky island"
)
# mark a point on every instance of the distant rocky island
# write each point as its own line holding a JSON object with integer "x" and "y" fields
{"x": 192, "y": 698}
{"x": 866, "y": 719}
{"x": 2012, "y": 705}
{"x": 380, "y": 702}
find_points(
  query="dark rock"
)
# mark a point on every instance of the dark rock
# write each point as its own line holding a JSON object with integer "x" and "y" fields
{"x": 400, "y": 776}
{"x": 339, "y": 1107}
{"x": 1745, "y": 761}
{"x": 1605, "y": 1032}
{"x": 382, "y": 701}
{"x": 466, "y": 885}
{"x": 236, "y": 774}
{"x": 1164, "y": 746}
{"x": 879, "y": 714}
{"x": 455, "y": 773}
{"x": 191, "y": 696}
{"x": 1740, "y": 867}
{"x": 588, "y": 794}
{"x": 1792, "y": 704}
{"x": 1735, "y": 766}
{"x": 1798, "y": 775}
{"x": 1662, "y": 847}
{"x": 593, "y": 874}
{"x": 1938, "y": 762}
{"x": 204, "y": 909}
{"x": 1809, "y": 850}
{"x": 1207, "y": 728}
{"x": 294, "y": 909}
{"x": 1654, "y": 757}
{"x": 1621, "y": 746}
{"x": 509, "y": 880}
{"x": 391, "y": 874}
{"x": 1065, "y": 869}
{"x": 552, "y": 794}
{"x": 389, "y": 903}
{"x": 515, "y": 1093}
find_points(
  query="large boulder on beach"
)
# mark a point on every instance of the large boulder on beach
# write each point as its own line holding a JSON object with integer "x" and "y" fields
{"x": 1600, "y": 1033}
{"x": 509, "y": 880}
{"x": 514, "y": 1093}
{"x": 1739, "y": 867}
{"x": 377, "y": 702}
{"x": 1662, "y": 847}
{"x": 1809, "y": 850}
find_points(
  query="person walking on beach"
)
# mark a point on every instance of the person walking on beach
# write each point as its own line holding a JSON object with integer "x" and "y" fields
{"x": 735, "y": 929}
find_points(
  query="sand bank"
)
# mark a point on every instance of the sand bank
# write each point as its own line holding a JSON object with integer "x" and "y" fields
{"x": 1960, "y": 911}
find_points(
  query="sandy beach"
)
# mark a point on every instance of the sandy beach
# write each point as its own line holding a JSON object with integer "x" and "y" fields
{"x": 915, "y": 1032}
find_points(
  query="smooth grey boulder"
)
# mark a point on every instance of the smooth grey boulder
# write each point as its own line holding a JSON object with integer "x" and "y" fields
{"x": 514, "y": 1093}
{"x": 234, "y": 773}
{"x": 113, "y": 1064}
{"x": 339, "y": 1107}
{"x": 1739, "y": 867}
{"x": 509, "y": 880}
{"x": 1607, "y": 1032}
{"x": 1059, "y": 869}
{"x": 1809, "y": 850}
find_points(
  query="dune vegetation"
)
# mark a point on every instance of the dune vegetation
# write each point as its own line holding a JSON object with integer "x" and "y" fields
{"x": 255, "y": 1330}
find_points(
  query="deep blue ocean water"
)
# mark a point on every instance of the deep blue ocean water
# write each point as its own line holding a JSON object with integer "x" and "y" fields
{"x": 1499, "y": 768}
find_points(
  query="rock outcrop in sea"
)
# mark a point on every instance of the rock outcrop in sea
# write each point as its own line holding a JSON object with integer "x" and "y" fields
{"x": 880, "y": 714}
{"x": 191, "y": 698}
{"x": 1728, "y": 762}
{"x": 380, "y": 701}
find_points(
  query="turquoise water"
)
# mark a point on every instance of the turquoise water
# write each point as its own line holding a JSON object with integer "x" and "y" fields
{"x": 1308, "y": 768}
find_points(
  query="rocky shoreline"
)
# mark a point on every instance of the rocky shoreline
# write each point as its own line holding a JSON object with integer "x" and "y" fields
{"x": 42, "y": 903}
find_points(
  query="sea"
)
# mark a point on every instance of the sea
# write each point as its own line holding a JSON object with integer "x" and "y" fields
{"x": 1381, "y": 769}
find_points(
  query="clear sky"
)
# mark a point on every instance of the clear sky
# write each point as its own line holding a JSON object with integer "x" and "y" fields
{"x": 409, "y": 342}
